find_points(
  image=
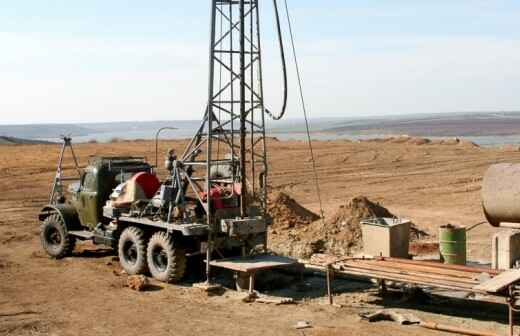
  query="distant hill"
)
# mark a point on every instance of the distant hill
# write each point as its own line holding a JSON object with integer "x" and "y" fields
{"x": 443, "y": 125}
{"x": 55, "y": 131}
{"x": 42, "y": 130}
{"x": 6, "y": 140}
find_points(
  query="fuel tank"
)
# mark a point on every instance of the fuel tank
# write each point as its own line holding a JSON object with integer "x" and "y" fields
{"x": 501, "y": 195}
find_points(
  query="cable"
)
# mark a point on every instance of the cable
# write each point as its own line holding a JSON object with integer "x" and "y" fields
{"x": 304, "y": 107}
{"x": 471, "y": 227}
{"x": 284, "y": 65}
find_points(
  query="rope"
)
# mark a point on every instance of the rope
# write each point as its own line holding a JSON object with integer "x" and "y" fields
{"x": 304, "y": 107}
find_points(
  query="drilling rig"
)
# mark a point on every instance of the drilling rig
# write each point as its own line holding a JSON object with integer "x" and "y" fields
{"x": 231, "y": 140}
{"x": 213, "y": 201}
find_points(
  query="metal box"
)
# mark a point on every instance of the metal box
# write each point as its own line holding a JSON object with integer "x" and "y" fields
{"x": 386, "y": 237}
{"x": 110, "y": 212}
{"x": 243, "y": 226}
{"x": 505, "y": 249}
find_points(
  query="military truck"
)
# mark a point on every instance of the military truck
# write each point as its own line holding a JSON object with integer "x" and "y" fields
{"x": 156, "y": 232}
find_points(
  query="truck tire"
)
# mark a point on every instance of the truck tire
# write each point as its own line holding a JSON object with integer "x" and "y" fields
{"x": 132, "y": 250}
{"x": 166, "y": 262}
{"x": 55, "y": 238}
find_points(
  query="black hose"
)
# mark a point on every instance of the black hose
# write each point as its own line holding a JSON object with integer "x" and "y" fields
{"x": 284, "y": 65}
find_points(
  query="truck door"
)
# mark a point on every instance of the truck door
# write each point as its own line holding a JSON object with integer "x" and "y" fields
{"x": 87, "y": 209}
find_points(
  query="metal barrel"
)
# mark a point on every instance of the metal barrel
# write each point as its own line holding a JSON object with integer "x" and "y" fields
{"x": 452, "y": 245}
{"x": 501, "y": 195}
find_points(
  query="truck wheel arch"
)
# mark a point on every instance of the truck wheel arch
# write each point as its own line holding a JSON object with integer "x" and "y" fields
{"x": 67, "y": 213}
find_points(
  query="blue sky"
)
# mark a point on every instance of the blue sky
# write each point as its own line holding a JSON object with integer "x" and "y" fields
{"x": 74, "y": 61}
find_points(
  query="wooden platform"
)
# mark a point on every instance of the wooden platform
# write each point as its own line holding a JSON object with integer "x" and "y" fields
{"x": 486, "y": 281}
{"x": 248, "y": 266}
{"x": 253, "y": 264}
{"x": 424, "y": 273}
{"x": 500, "y": 282}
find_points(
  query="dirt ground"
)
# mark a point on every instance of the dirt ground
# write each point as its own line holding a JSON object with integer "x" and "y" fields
{"x": 431, "y": 184}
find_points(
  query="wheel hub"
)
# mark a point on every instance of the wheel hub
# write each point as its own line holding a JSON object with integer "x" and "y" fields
{"x": 160, "y": 258}
{"x": 53, "y": 236}
{"x": 130, "y": 252}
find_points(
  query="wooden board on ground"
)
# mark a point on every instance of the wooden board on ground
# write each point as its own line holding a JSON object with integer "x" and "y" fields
{"x": 252, "y": 264}
{"x": 499, "y": 282}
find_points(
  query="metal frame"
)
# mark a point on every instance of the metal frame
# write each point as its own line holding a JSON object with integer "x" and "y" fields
{"x": 57, "y": 184}
{"x": 232, "y": 131}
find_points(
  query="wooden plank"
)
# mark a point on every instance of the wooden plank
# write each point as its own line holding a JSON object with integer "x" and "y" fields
{"x": 381, "y": 274}
{"x": 251, "y": 264}
{"x": 411, "y": 272}
{"x": 405, "y": 279}
{"x": 421, "y": 268}
{"x": 499, "y": 282}
{"x": 462, "y": 268}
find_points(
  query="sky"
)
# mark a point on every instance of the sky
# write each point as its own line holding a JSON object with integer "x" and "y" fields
{"x": 97, "y": 60}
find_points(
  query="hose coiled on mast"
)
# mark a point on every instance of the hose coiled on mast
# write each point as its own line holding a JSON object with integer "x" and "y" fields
{"x": 284, "y": 65}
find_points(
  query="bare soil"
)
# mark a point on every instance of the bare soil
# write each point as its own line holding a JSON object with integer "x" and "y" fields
{"x": 430, "y": 183}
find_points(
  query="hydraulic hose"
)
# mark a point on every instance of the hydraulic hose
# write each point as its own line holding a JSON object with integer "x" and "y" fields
{"x": 284, "y": 65}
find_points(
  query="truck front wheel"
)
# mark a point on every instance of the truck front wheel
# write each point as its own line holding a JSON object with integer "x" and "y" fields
{"x": 55, "y": 238}
{"x": 166, "y": 261}
{"x": 132, "y": 250}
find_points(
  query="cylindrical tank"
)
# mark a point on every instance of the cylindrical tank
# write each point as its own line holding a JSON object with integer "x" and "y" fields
{"x": 452, "y": 244}
{"x": 501, "y": 195}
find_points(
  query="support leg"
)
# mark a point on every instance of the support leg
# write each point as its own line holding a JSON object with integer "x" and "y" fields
{"x": 510, "y": 303}
{"x": 382, "y": 287}
{"x": 329, "y": 285}
{"x": 251, "y": 282}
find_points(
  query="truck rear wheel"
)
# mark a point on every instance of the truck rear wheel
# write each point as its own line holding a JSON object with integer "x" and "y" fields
{"x": 166, "y": 262}
{"x": 55, "y": 238}
{"x": 132, "y": 250}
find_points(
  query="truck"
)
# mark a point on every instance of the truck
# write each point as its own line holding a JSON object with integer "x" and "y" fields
{"x": 155, "y": 233}
{"x": 213, "y": 200}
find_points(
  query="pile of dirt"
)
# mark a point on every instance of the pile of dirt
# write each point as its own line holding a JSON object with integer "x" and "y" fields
{"x": 401, "y": 139}
{"x": 456, "y": 141}
{"x": 342, "y": 231}
{"x": 287, "y": 213}
{"x": 413, "y": 140}
{"x": 510, "y": 148}
{"x": 340, "y": 234}
{"x": 137, "y": 282}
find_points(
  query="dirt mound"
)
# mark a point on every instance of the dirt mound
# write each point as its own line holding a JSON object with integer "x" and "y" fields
{"x": 287, "y": 213}
{"x": 456, "y": 141}
{"x": 137, "y": 282}
{"x": 510, "y": 148}
{"x": 340, "y": 234}
{"x": 401, "y": 139}
{"x": 342, "y": 231}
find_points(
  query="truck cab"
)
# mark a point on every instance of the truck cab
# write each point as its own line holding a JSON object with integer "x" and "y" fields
{"x": 97, "y": 181}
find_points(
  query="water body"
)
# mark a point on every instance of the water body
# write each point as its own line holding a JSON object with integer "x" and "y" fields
{"x": 188, "y": 132}
{"x": 484, "y": 129}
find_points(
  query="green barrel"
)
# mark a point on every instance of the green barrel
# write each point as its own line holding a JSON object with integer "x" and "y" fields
{"x": 452, "y": 245}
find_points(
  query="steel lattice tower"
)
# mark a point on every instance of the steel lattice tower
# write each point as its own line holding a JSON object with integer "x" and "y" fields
{"x": 233, "y": 128}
